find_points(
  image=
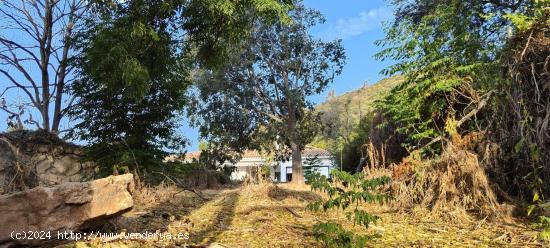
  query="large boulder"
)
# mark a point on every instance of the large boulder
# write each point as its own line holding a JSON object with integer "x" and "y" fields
{"x": 67, "y": 207}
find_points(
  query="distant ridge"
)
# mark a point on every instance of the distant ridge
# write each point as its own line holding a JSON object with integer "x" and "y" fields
{"x": 359, "y": 101}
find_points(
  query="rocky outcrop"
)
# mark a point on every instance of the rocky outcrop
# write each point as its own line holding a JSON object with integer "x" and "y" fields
{"x": 66, "y": 207}
{"x": 38, "y": 158}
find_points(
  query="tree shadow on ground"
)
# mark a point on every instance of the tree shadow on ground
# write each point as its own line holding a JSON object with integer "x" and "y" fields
{"x": 159, "y": 217}
{"x": 279, "y": 194}
{"x": 290, "y": 209}
{"x": 220, "y": 222}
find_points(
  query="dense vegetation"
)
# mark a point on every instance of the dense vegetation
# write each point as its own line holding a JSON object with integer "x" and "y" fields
{"x": 452, "y": 54}
{"x": 134, "y": 67}
{"x": 346, "y": 191}
{"x": 260, "y": 99}
{"x": 472, "y": 71}
{"x": 347, "y": 122}
{"x": 473, "y": 103}
{"x": 461, "y": 124}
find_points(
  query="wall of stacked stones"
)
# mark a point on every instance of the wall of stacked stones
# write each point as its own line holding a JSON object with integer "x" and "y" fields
{"x": 36, "y": 158}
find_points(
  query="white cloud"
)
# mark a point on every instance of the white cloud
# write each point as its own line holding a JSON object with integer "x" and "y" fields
{"x": 357, "y": 25}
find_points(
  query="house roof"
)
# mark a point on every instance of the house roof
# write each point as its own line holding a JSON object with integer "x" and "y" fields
{"x": 309, "y": 151}
{"x": 192, "y": 155}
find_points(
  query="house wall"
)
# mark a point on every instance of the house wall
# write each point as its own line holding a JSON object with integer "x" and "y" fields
{"x": 245, "y": 166}
{"x": 326, "y": 165}
{"x": 251, "y": 165}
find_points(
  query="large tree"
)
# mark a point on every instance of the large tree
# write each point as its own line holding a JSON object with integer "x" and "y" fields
{"x": 260, "y": 99}
{"x": 134, "y": 71}
{"x": 131, "y": 87}
{"x": 36, "y": 39}
{"x": 37, "y": 45}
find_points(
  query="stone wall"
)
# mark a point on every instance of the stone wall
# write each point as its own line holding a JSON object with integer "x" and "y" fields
{"x": 38, "y": 158}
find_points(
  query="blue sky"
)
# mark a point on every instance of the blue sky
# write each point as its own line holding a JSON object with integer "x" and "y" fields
{"x": 357, "y": 22}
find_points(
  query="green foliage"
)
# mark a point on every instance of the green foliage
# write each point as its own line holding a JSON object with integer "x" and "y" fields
{"x": 265, "y": 172}
{"x": 190, "y": 175}
{"x": 214, "y": 25}
{"x": 346, "y": 191}
{"x": 352, "y": 152}
{"x": 447, "y": 52}
{"x": 334, "y": 235}
{"x": 544, "y": 223}
{"x": 132, "y": 87}
{"x": 259, "y": 100}
{"x": 347, "y": 121}
{"x": 524, "y": 21}
{"x": 310, "y": 164}
{"x": 134, "y": 71}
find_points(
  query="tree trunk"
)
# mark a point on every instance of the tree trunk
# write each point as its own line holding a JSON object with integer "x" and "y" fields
{"x": 45, "y": 52}
{"x": 57, "y": 115}
{"x": 297, "y": 172}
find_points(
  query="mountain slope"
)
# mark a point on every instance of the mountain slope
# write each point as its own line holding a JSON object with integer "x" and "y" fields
{"x": 341, "y": 115}
{"x": 360, "y": 101}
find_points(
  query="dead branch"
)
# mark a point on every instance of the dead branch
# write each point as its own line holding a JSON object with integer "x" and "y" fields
{"x": 47, "y": 26}
{"x": 465, "y": 118}
{"x": 181, "y": 185}
{"x": 293, "y": 212}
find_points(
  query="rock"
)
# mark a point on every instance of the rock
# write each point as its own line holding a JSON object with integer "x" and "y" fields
{"x": 43, "y": 166}
{"x": 49, "y": 178}
{"x": 58, "y": 150}
{"x": 88, "y": 164}
{"x": 73, "y": 169}
{"x": 7, "y": 162}
{"x": 68, "y": 150}
{"x": 66, "y": 207}
{"x": 25, "y": 155}
{"x": 66, "y": 165}
{"x": 75, "y": 178}
{"x": 42, "y": 157}
{"x": 43, "y": 148}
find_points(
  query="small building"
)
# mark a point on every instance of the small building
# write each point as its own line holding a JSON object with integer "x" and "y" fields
{"x": 313, "y": 159}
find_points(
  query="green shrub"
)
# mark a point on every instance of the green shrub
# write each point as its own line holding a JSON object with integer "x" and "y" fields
{"x": 346, "y": 191}
{"x": 544, "y": 224}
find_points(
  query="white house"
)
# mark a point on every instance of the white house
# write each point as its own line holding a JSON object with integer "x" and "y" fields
{"x": 280, "y": 171}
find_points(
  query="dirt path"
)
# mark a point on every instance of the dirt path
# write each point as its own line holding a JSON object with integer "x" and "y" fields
{"x": 269, "y": 216}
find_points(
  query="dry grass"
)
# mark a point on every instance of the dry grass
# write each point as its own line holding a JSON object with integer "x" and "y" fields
{"x": 268, "y": 215}
{"x": 453, "y": 186}
{"x": 148, "y": 197}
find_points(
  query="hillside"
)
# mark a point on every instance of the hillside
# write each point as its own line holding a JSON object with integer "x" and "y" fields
{"x": 341, "y": 115}
{"x": 358, "y": 102}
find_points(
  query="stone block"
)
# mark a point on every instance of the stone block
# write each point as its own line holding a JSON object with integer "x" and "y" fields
{"x": 43, "y": 148}
{"x": 66, "y": 164}
{"x": 65, "y": 207}
{"x": 75, "y": 178}
{"x": 43, "y": 166}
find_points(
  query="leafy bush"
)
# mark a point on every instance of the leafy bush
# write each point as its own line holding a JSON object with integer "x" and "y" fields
{"x": 544, "y": 223}
{"x": 334, "y": 235}
{"x": 265, "y": 172}
{"x": 344, "y": 191}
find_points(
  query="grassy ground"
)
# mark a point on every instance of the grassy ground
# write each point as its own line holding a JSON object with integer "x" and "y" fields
{"x": 275, "y": 216}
